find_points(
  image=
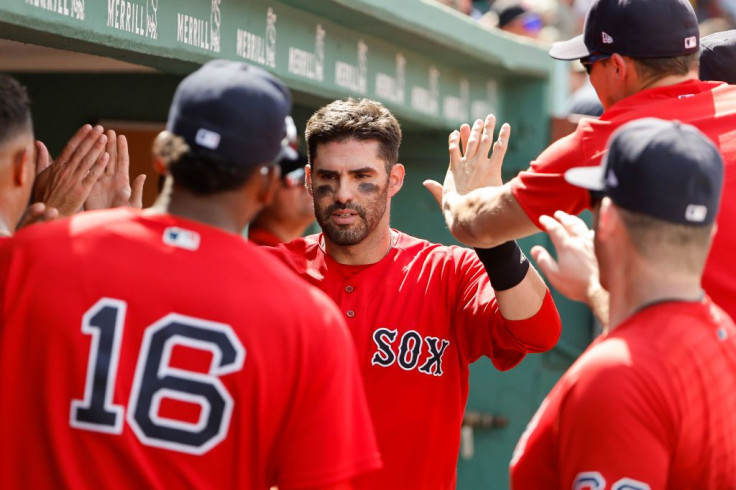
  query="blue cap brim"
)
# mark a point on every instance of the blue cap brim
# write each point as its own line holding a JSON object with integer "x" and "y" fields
{"x": 572, "y": 49}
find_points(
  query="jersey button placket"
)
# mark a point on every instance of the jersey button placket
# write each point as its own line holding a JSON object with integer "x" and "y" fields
{"x": 350, "y": 313}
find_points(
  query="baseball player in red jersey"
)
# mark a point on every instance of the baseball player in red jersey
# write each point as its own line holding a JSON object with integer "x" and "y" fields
{"x": 419, "y": 312}
{"x": 159, "y": 349}
{"x": 639, "y": 55}
{"x": 652, "y": 404}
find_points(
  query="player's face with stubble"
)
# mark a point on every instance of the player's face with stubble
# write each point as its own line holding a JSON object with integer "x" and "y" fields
{"x": 349, "y": 183}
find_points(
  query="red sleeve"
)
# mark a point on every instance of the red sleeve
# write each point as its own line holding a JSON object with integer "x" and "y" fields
{"x": 540, "y": 332}
{"x": 614, "y": 426}
{"x": 482, "y": 330}
{"x": 542, "y": 188}
{"x": 330, "y": 434}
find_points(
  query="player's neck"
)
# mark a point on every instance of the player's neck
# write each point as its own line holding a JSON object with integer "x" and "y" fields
{"x": 638, "y": 285}
{"x": 7, "y": 223}
{"x": 667, "y": 80}
{"x": 222, "y": 210}
{"x": 369, "y": 251}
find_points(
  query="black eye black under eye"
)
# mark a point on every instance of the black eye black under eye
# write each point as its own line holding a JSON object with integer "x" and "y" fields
{"x": 367, "y": 188}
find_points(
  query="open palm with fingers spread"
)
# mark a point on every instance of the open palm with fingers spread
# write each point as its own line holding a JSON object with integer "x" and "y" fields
{"x": 470, "y": 170}
{"x": 112, "y": 188}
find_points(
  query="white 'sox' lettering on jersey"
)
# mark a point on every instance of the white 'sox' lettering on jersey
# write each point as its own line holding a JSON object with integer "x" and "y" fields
{"x": 409, "y": 350}
{"x": 589, "y": 480}
{"x": 630, "y": 484}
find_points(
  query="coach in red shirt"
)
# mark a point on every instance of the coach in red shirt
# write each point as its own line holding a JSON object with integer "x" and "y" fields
{"x": 419, "y": 312}
{"x": 651, "y": 404}
{"x": 639, "y": 55}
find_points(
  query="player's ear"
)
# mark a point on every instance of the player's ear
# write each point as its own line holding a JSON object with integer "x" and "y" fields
{"x": 396, "y": 179}
{"x": 308, "y": 178}
{"x": 623, "y": 68}
{"x": 269, "y": 183}
{"x": 23, "y": 167}
{"x": 611, "y": 226}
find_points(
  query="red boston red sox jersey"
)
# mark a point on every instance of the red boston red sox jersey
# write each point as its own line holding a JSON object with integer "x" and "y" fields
{"x": 418, "y": 318}
{"x": 149, "y": 351}
{"x": 650, "y": 406}
{"x": 709, "y": 106}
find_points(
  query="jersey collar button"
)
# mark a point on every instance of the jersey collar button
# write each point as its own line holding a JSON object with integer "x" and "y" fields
{"x": 349, "y": 289}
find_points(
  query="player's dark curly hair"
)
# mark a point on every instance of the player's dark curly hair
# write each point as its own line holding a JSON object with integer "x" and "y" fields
{"x": 201, "y": 172}
{"x": 15, "y": 108}
{"x": 361, "y": 119}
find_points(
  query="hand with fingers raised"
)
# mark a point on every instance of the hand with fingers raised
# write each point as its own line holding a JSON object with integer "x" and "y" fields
{"x": 575, "y": 273}
{"x": 66, "y": 182}
{"x": 112, "y": 188}
{"x": 470, "y": 170}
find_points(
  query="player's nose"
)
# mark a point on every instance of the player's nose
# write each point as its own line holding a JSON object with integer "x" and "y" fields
{"x": 344, "y": 193}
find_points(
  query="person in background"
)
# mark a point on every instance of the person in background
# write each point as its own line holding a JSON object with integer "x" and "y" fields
{"x": 464, "y": 6}
{"x": 516, "y": 18}
{"x": 291, "y": 211}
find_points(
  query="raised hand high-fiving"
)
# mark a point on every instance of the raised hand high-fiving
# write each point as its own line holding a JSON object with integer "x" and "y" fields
{"x": 472, "y": 169}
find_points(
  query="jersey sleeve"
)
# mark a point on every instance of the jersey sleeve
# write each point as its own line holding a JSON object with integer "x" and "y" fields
{"x": 542, "y": 189}
{"x": 482, "y": 329}
{"x": 614, "y": 428}
{"x": 329, "y": 437}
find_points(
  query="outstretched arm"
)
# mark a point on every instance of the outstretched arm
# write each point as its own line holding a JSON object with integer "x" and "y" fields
{"x": 575, "y": 272}
{"x": 479, "y": 210}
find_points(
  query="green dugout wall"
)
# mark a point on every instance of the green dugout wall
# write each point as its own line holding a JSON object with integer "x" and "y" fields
{"x": 433, "y": 67}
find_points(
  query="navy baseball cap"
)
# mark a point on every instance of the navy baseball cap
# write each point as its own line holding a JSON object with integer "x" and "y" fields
{"x": 718, "y": 57}
{"x": 664, "y": 169}
{"x": 235, "y": 111}
{"x": 636, "y": 28}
